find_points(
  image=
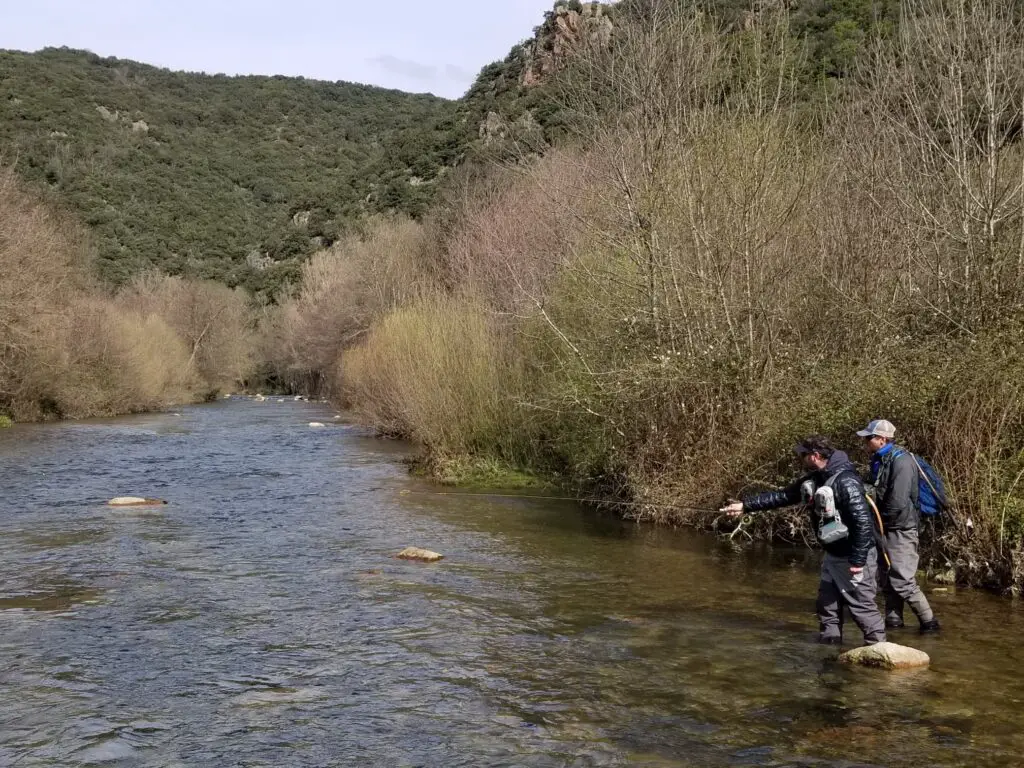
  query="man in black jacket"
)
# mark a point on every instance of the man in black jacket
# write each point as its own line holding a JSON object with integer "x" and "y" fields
{"x": 836, "y": 497}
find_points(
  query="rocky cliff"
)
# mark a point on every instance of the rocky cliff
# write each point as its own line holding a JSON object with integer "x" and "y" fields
{"x": 566, "y": 30}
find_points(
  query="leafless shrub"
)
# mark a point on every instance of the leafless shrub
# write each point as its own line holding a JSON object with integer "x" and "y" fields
{"x": 215, "y": 322}
{"x": 342, "y": 292}
{"x": 947, "y": 97}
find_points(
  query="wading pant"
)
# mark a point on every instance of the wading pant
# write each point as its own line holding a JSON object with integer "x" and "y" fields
{"x": 838, "y": 588}
{"x": 899, "y": 579}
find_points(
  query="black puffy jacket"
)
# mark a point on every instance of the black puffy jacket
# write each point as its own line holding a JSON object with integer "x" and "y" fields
{"x": 850, "y": 501}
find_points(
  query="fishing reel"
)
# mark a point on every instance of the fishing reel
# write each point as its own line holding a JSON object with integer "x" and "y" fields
{"x": 807, "y": 490}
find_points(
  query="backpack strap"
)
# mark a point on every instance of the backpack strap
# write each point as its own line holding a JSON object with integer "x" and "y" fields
{"x": 884, "y": 462}
{"x": 896, "y": 453}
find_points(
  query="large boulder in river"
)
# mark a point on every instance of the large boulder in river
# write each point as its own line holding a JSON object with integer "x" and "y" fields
{"x": 423, "y": 555}
{"x": 886, "y": 656}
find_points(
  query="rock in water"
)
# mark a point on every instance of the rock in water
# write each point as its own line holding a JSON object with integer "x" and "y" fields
{"x": 316, "y": 424}
{"x": 423, "y": 555}
{"x": 886, "y": 656}
{"x": 134, "y": 501}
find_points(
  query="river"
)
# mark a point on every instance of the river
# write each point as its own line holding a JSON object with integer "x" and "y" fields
{"x": 261, "y": 619}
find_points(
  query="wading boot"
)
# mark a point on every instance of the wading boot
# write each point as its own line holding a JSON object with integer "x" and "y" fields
{"x": 893, "y": 622}
{"x": 929, "y": 627}
{"x": 829, "y": 640}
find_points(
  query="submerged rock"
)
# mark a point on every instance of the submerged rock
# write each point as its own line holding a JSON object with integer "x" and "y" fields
{"x": 135, "y": 501}
{"x": 886, "y": 656}
{"x": 423, "y": 555}
{"x": 277, "y": 696}
{"x": 107, "y": 751}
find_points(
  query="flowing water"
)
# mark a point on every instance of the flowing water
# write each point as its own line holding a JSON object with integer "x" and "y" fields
{"x": 261, "y": 619}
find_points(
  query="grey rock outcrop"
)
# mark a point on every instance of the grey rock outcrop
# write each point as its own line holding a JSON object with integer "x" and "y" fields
{"x": 565, "y": 32}
{"x": 886, "y": 656}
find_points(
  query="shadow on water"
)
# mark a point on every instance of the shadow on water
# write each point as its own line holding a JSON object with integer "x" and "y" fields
{"x": 59, "y": 539}
{"x": 261, "y": 619}
{"x": 58, "y": 597}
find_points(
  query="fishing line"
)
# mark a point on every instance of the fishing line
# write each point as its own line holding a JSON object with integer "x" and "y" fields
{"x": 577, "y": 499}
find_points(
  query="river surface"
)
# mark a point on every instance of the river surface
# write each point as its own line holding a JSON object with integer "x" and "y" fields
{"x": 261, "y": 619}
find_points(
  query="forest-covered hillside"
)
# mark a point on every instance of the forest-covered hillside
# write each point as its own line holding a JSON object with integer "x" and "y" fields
{"x": 231, "y": 178}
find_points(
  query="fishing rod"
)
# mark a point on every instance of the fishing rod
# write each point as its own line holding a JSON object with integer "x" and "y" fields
{"x": 742, "y": 522}
{"x": 881, "y": 529}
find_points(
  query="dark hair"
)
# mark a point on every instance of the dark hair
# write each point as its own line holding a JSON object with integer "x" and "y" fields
{"x": 818, "y": 444}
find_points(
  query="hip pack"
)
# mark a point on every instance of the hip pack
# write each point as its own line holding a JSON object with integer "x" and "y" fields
{"x": 830, "y": 525}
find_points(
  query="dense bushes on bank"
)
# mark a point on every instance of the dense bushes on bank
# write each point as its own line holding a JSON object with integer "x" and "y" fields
{"x": 68, "y": 349}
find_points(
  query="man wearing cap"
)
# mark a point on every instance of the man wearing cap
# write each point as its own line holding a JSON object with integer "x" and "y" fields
{"x": 843, "y": 523}
{"x": 894, "y": 484}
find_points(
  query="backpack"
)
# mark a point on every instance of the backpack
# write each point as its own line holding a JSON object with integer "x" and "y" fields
{"x": 931, "y": 491}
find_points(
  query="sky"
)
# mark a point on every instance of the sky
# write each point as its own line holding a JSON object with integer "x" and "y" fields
{"x": 435, "y": 46}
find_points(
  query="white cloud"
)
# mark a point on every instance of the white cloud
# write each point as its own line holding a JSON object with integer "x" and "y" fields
{"x": 404, "y": 67}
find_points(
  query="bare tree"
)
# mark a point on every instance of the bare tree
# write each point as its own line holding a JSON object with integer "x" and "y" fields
{"x": 949, "y": 102}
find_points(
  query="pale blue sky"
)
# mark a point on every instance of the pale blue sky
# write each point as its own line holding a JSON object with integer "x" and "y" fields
{"x": 434, "y": 46}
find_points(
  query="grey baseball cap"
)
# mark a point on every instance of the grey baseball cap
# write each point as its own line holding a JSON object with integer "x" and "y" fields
{"x": 879, "y": 427}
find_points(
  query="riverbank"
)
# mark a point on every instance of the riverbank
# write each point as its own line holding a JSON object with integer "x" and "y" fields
{"x": 479, "y": 473}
